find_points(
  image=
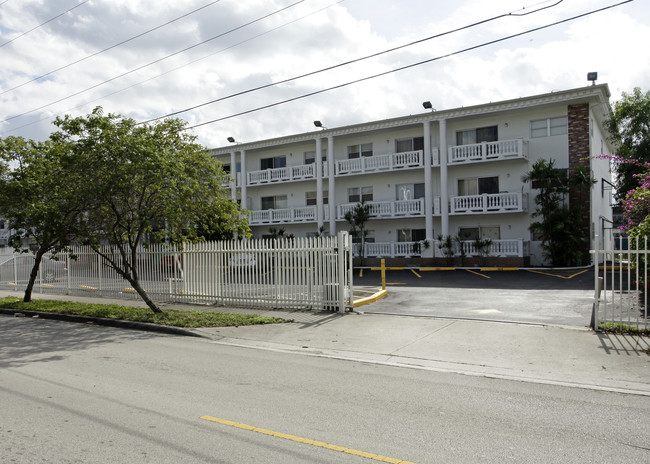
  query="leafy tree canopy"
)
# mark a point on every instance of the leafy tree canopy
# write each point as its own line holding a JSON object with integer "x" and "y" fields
{"x": 629, "y": 127}
{"x": 38, "y": 200}
{"x": 145, "y": 184}
{"x": 558, "y": 223}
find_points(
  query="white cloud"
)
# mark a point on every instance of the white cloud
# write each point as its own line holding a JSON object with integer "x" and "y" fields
{"x": 295, "y": 42}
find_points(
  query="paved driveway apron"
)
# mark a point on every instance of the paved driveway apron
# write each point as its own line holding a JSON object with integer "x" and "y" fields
{"x": 558, "y": 297}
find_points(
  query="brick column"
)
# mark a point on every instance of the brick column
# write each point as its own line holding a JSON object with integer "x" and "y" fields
{"x": 579, "y": 152}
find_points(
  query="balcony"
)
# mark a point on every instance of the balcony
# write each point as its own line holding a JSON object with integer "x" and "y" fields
{"x": 389, "y": 249}
{"x": 387, "y": 209}
{"x": 286, "y": 216}
{"x": 488, "y": 151}
{"x": 489, "y": 203}
{"x": 514, "y": 248}
{"x": 368, "y": 164}
{"x": 285, "y": 174}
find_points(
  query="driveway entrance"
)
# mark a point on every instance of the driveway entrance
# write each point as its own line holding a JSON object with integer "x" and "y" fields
{"x": 558, "y": 297}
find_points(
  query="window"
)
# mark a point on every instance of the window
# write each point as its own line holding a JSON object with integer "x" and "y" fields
{"x": 272, "y": 163}
{"x": 226, "y": 168}
{"x": 275, "y": 202}
{"x": 473, "y": 233}
{"x": 409, "y": 191}
{"x": 412, "y": 144}
{"x": 310, "y": 198}
{"x": 355, "y": 151}
{"x": 359, "y": 194}
{"x": 478, "y": 186}
{"x": 548, "y": 127}
{"x": 482, "y": 134}
{"x": 370, "y": 237}
{"x": 310, "y": 156}
{"x": 411, "y": 235}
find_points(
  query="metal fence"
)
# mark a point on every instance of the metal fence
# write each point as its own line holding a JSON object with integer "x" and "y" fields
{"x": 621, "y": 285}
{"x": 314, "y": 272}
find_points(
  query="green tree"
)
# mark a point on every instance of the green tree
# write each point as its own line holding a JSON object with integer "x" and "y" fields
{"x": 145, "y": 184}
{"x": 629, "y": 129}
{"x": 558, "y": 226}
{"x": 38, "y": 199}
{"x": 357, "y": 218}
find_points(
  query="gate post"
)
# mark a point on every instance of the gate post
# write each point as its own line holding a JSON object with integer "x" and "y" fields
{"x": 344, "y": 262}
{"x": 597, "y": 285}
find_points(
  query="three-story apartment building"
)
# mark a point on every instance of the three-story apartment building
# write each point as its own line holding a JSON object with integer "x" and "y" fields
{"x": 455, "y": 172}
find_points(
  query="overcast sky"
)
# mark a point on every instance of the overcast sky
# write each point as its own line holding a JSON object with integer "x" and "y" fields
{"x": 253, "y": 43}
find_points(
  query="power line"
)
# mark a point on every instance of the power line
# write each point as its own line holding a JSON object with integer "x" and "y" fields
{"x": 268, "y": 31}
{"x": 153, "y": 62}
{"x": 356, "y": 81}
{"x": 329, "y": 68}
{"x": 42, "y": 24}
{"x": 108, "y": 48}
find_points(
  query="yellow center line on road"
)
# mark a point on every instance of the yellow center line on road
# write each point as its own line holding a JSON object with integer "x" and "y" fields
{"x": 478, "y": 273}
{"x": 307, "y": 441}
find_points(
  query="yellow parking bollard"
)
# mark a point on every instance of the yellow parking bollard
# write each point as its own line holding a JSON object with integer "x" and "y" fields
{"x": 383, "y": 274}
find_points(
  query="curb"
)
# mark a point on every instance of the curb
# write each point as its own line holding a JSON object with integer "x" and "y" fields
{"x": 144, "y": 326}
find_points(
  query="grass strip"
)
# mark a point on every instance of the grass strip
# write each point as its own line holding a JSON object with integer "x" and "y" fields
{"x": 623, "y": 328}
{"x": 170, "y": 317}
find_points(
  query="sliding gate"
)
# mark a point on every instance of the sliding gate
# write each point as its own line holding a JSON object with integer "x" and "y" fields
{"x": 295, "y": 273}
{"x": 621, "y": 285}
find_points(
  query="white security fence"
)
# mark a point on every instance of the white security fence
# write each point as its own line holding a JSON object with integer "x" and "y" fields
{"x": 621, "y": 284}
{"x": 300, "y": 273}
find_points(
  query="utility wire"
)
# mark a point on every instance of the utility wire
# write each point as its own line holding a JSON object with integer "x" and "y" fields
{"x": 153, "y": 62}
{"x": 108, "y": 48}
{"x": 329, "y": 68}
{"x": 484, "y": 44}
{"x": 42, "y": 24}
{"x": 268, "y": 31}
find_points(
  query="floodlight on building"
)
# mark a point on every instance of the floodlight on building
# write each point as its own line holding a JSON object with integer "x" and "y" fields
{"x": 319, "y": 124}
{"x": 592, "y": 76}
{"x": 231, "y": 139}
{"x": 428, "y": 106}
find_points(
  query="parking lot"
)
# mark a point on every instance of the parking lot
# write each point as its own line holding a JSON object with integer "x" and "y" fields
{"x": 548, "y": 296}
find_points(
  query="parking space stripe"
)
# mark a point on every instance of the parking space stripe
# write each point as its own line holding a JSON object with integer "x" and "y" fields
{"x": 307, "y": 441}
{"x": 478, "y": 273}
{"x": 413, "y": 271}
{"x": 558, "y": 275}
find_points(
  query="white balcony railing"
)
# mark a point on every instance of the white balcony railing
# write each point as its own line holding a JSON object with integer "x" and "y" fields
{"x": 4, "y": 234}
{"x": 488, "y": 151}
{"x": 286, "y": 215}
{"x": 406, "y": 160}
{"x": 387, "y": 209}
{"x": 498, "y": 248}
{"x": 285, "y": 174}
{"x": 489, "y": 203}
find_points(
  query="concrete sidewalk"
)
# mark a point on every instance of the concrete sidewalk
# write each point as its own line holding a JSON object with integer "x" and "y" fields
{"x": 548, "y": 354}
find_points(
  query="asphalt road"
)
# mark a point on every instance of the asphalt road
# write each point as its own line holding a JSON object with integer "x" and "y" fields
{"x": 72, "y": 393}
{"x": 559, "y": 297}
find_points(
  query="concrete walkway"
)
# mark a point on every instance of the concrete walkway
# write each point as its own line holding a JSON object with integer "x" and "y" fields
{"x": 540, "y": 353}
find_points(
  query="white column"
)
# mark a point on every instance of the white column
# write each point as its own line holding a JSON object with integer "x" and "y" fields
{"x": 244, "y": 179}
{"x": 428, "y": 186}
{"x": 233, "y": 174}
{"x": 319, "y": 182}
{"x": 331, "y": 185}
{"x": 444, "y": 195}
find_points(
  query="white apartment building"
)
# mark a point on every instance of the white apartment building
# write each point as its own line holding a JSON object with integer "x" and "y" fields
{"x": 455, "y": 172}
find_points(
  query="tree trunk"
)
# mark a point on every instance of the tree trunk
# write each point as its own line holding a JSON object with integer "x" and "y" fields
{"x": 32, "y": 277}
{"x": 143, "y": 294}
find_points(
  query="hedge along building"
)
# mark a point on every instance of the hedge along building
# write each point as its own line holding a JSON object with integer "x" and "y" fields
{"x": 455, "y": 172}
